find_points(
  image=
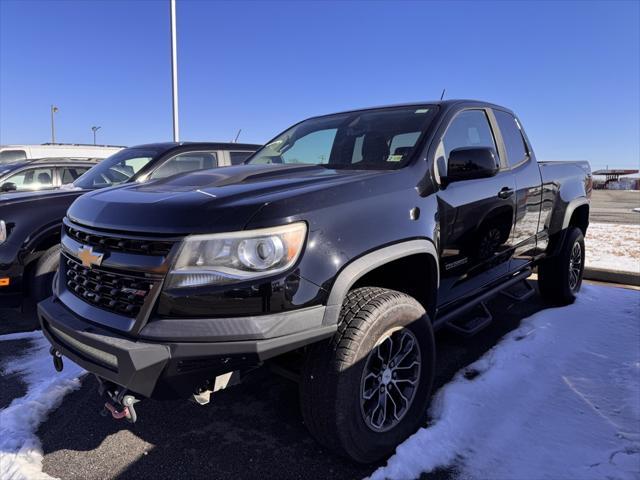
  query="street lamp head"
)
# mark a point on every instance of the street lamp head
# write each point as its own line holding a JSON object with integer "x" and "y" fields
{"x": 94, "y": 129}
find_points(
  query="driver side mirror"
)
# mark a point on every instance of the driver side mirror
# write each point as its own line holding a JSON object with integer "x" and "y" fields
{"x": 470, "y": 163}
{"x": 8, "y": 187}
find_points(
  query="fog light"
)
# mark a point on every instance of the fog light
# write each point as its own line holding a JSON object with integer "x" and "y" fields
{"x": 5, "y": 281}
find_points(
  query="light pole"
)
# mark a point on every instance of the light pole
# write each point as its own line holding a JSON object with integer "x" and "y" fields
{"x": 94, "y": 130}
{"x": 54, "y": 109}
{"x": 174, "y": 70}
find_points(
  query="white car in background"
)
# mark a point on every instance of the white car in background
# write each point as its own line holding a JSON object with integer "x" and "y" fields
{"x": 12, "y": 153}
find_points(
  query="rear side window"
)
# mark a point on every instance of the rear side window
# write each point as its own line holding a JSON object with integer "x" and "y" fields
{"x": 186, "y": 162}
{"x": 239, "y": 157}
{"x": 512, "y": 136}
{"x": 12, "y": 155}
{"x": 70, "y": 174}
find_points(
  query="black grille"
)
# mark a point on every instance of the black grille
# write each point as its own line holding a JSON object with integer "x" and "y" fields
{"x": 110, "y": 290}
{"x": 119, "y": 244}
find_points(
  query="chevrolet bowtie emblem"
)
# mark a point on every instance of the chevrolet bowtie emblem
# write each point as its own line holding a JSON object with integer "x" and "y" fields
{"x": 88, "y": 258}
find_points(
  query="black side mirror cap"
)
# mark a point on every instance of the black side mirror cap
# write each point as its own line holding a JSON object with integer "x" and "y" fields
{"x": 471, "y": 162}
{"x": 8, "y": 187}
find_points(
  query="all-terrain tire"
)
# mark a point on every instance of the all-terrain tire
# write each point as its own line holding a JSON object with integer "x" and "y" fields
{"x": 330, "y": 386}
{"x": 560, "y": 277}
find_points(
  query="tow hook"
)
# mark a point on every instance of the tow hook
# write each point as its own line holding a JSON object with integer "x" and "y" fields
{"x": 122, "y": 409}
{"x": 120, "y": 405}
{"x": 57, "y": 359}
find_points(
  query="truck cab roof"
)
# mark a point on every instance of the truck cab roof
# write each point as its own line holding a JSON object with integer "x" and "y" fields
{"x": 166, "y": 146}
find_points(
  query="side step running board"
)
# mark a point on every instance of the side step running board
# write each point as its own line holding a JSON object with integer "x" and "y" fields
{"x": 520, "y": 291}
{"x": 452, "y": 315}
{"x": 469, "y": 324}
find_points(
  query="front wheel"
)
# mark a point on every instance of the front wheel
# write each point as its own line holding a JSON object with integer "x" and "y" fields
{"x": 368, "y": 389}
{"x": 40, "y": 286}
{"x": 560, "y": 277}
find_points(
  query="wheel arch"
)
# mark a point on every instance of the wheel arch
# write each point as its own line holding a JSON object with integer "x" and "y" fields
{"x": 580, "y": 205}
{"x": 412, "y": 257}
{"x": 580, "y": 217}
{"x": 575, "y": 215}
{"x": 35, "y": 246}
{"x": 45, "y": 238}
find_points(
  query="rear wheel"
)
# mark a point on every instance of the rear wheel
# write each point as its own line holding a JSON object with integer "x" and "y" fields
{"x": 560, "y": 277}
{"x": 366, "y": 390}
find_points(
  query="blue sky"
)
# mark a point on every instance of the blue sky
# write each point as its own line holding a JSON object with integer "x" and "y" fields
{"x": 570, "y": 70}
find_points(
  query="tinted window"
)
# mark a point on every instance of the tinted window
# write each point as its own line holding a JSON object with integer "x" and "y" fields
{"x": 369, "y": 139}
{"x": 312, "y": 148}
{"x": 70, "y": 174}
{"x": 469, "y": 129}
{"x": 512, "y": 136}
{"x": 12, "y": 155}
{"x": 401, "y": 145}
{"x": 33, "y": 179}
{"x": 186, "y": 162}
{"x": 239, "y": 157}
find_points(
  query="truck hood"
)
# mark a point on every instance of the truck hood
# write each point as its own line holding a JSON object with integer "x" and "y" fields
{"x": 206, "y": 201}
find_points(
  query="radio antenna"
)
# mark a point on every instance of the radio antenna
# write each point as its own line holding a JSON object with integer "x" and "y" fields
{"x": 442, "y": 96}
{"x": 235, "y": 140}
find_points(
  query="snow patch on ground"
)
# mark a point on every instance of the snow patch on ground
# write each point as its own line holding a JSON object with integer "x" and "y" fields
{"x": 557, "y": 398}
{"x": 613, "y": 247}
{"x": 20, "y": 449}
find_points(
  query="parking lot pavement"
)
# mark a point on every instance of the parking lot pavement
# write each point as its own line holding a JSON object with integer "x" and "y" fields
{"x": 615, "y": 206}
{"x": 252, "y": 430}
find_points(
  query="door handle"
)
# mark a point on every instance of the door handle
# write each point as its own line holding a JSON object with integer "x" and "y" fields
{"x": 506, "y": 192}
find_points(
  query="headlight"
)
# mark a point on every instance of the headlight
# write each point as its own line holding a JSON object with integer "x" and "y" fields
{"x": 224, "y": 258}
{"x": 3, "y": 232}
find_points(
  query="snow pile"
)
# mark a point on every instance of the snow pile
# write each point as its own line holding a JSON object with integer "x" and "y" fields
{"x": 557, "y": 398}
{"x": 20, "y": 450}
{"x": 613, "y": 247}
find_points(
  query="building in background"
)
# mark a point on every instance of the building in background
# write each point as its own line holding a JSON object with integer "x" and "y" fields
{"x": 616, "y": 179}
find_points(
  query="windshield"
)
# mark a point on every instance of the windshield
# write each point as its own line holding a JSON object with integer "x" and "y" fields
{"x": 372, "y": 139}
{"x": 116, "y": 169}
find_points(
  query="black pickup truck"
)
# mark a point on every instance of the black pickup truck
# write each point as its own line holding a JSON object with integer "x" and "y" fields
{"x": 336, "y": 251}
{"x": 30, "y": 222}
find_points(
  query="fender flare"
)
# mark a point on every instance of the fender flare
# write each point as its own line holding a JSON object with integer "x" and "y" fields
{"x": 557, "y": 235}
{"x": 46, "y": 232}
{"x": 571, "y": 207}
{"x": 368, "y": 262}
{"x": 34, "y": 240}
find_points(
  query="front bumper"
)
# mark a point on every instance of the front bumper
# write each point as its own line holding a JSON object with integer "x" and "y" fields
{"x": 169, "y": 367}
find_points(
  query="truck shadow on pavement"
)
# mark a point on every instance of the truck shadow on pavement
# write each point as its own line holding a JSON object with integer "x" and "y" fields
{"x": 254, "y": 430}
